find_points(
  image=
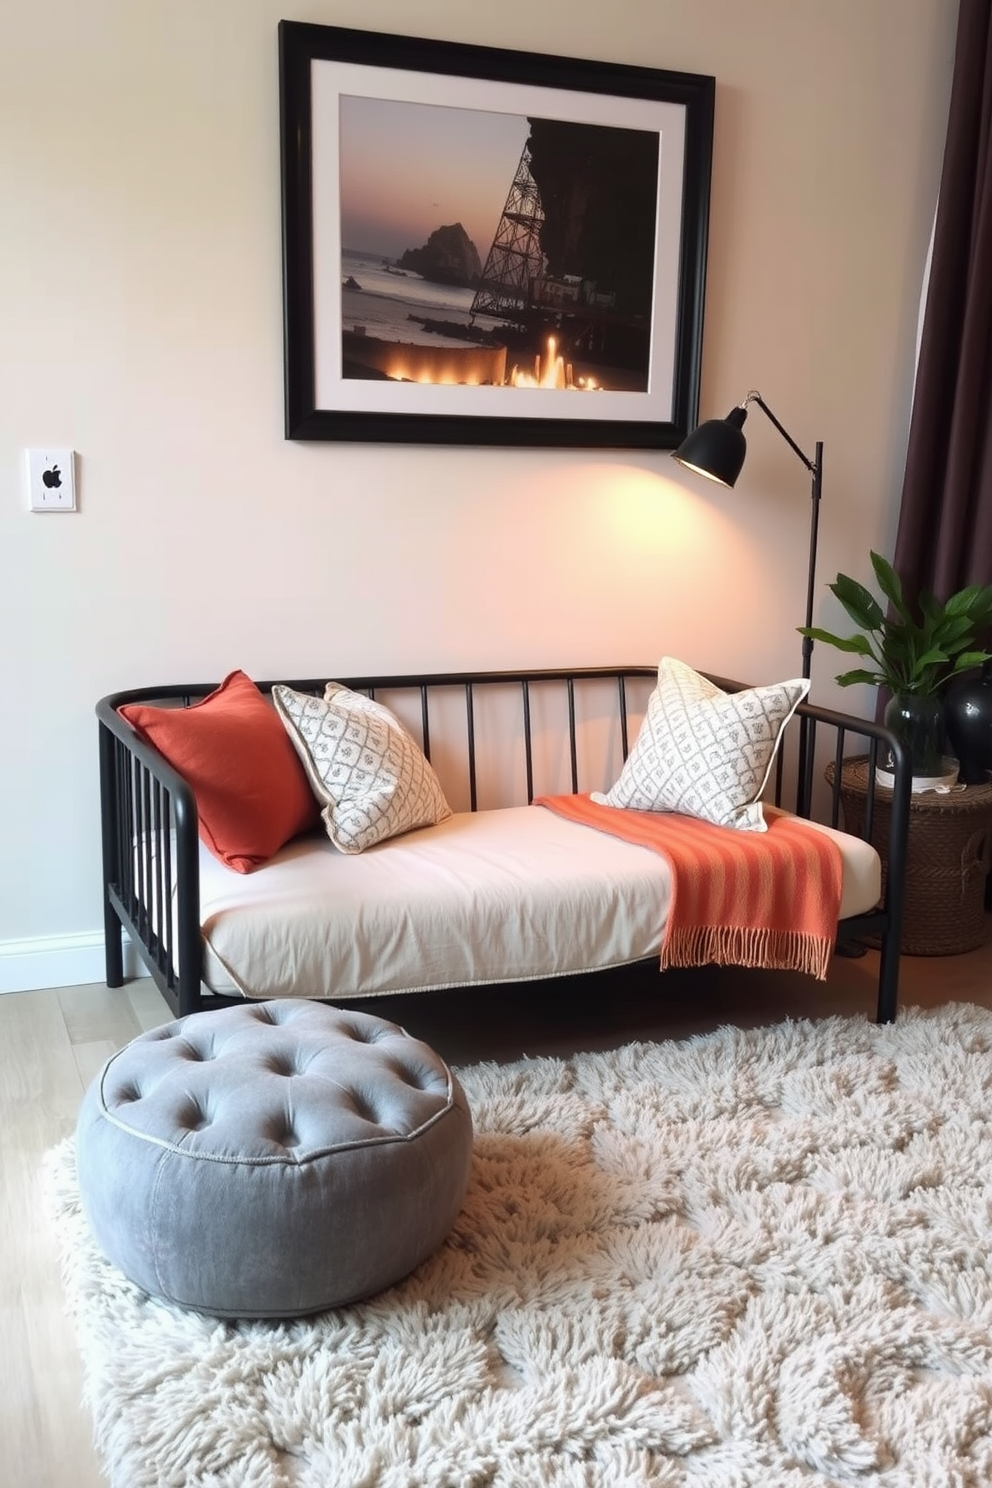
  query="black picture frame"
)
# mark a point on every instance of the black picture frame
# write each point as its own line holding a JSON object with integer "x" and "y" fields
{"x": 320, "y": 67}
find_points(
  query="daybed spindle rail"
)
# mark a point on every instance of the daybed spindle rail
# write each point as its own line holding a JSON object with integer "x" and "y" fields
{"x": 150, "y": 827}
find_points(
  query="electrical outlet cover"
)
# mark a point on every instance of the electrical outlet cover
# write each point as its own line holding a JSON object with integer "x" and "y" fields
{"x": 52, "y": 479}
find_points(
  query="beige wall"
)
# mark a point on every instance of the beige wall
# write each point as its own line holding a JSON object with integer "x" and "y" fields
{"x": 140, "y": 323}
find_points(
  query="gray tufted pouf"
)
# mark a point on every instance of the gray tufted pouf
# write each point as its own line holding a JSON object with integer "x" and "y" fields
{"x": 273, "y": 1159}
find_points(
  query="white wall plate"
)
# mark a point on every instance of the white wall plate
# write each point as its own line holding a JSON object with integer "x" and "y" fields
{"x": 52, "y": 479}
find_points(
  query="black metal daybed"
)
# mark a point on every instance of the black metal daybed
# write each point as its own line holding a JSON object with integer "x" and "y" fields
{"x": 152, "y": 852}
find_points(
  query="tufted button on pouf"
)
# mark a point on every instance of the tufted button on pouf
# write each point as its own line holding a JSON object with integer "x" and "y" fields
{"x": 272, "y": 1159}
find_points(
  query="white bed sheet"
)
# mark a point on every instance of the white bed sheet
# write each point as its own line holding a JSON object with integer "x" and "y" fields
{"x": 490, "y": 896}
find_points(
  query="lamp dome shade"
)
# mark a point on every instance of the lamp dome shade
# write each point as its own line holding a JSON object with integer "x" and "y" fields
{"x": 716, "y": 448}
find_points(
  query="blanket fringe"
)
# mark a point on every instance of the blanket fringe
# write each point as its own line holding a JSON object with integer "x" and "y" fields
{"x": 738, "y": 898}
{"x": 745, "y": 945}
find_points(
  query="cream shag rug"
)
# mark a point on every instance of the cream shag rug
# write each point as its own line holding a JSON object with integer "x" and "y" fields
{"x": 757, "y": 1259}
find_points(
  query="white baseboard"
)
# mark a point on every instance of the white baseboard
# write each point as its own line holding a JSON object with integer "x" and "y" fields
{"x": 59, "y": 961}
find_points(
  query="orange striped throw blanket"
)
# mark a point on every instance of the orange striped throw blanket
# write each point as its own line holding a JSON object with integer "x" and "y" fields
{"x": 767, "y": 899}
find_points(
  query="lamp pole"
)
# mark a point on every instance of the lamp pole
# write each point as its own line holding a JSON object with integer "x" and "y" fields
{"x": 716, "y": 449}
{"x": 815, "y": 468}
{"x": 804, "y": 761}
{"x": 814, "y": 523}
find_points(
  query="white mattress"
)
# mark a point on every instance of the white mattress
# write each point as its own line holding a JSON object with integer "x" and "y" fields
{"x": 490, "y": 896}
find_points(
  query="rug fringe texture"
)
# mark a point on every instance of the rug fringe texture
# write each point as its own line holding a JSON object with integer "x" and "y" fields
{"x": 754, "y": 1259}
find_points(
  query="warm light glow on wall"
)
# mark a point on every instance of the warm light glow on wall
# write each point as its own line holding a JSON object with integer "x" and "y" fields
{"x": 662, "y": 547}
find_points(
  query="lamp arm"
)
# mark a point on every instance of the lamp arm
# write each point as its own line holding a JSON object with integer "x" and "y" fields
{"x": 755, "y": 397}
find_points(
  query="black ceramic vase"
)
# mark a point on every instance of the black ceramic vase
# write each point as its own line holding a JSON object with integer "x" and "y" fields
{"x": 968, "y": 723}
{"x": 918, "y": 720}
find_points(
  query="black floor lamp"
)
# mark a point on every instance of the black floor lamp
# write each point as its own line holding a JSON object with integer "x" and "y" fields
{"x": 716, "y": 449}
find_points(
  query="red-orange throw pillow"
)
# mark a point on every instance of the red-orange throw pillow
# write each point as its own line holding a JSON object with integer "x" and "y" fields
{"x": 252, "y": 794}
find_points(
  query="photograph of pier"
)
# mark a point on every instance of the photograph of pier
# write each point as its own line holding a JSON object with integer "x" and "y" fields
{"x": 493, "y": 249}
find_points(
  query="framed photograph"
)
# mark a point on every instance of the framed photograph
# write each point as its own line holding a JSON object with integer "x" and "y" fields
{"x": 484, "y": 246}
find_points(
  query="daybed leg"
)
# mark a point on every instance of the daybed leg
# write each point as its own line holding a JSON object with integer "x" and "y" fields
{"x": 113, "y": 947}
{"x": 888, "y": 979}
{"x": 190, "y": 1000}
{"x": 112, "y": 928}
{"x": 189, "y": 982}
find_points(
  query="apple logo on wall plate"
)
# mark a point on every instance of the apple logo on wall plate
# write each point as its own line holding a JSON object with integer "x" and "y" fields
{"x": 51, "y": 479}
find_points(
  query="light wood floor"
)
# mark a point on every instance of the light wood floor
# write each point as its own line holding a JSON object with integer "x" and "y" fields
{"x": 52, "y": 1043}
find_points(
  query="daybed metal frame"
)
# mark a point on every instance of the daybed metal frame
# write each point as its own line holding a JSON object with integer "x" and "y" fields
{"x": 150, "y": 825}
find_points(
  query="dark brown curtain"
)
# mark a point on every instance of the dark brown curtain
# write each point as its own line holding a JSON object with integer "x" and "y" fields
{"x": 944, "y": 539}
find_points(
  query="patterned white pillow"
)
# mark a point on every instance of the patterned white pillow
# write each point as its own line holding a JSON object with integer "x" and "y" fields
{"x": 372, "y": 778}
{"x": 703, "y": 752}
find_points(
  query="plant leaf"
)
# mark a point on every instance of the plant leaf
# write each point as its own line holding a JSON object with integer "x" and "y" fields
{"x": 890, "y": 583}
{"x": 847, "y": 679}
{"x": 863, "y": 608}
{"x": 969, "y": 659}
{"x": 953, "y": 629}
{"x": 857, "y": 643}
{"x": 962, "y": 602}
{"x": 981, "y": 610}
{"x": 933, "y": 657}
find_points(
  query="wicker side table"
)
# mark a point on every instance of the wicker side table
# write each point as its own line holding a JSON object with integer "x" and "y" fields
{"x": 947, "y": 859}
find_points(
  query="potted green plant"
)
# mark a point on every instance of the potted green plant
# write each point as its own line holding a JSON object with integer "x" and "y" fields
{"x": 912, "y": 652}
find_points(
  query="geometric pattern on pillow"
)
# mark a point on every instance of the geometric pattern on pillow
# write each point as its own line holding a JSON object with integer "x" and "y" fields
{"x": 703, "y": 752}
{"x": 372, "y": 777}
